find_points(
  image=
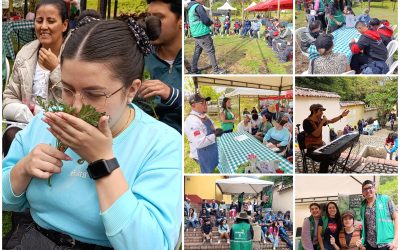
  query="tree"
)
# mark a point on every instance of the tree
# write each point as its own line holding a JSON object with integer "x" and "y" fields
{"x": 208, "y": 91}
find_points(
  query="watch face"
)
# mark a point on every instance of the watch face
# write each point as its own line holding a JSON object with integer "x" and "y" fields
{"x": 98, "y": 169}
{"x": 102, "y": 168}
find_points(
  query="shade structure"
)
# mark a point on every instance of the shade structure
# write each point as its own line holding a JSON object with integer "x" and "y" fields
{"x": 251, "y": 5}
{"x": 226, "y": 6}
{"x": 238, "y": 185}
{"x": 278, "y": 83}
{"x": 272, "y": 5}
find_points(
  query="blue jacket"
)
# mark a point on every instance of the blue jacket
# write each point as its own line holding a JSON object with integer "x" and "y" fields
{"x": 170, "y": 110}
{"x": 147, "y": 216}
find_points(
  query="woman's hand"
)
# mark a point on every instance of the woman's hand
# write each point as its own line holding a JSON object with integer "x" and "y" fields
{"x": 48, "y": 59}
{"x": 43, "y": 161}
{"x": 89, "y": 142}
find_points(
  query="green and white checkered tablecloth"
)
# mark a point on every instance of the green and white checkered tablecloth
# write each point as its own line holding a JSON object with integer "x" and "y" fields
{"x": 23, "y": 31}
{"x": 341, "y": 40}
{"x": 232, "y": 153}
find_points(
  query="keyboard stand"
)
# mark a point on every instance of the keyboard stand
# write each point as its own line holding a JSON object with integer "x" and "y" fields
{"x": 343, "y": 165}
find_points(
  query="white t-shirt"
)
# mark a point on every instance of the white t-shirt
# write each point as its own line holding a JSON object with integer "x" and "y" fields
{"x": 40, "y": 82}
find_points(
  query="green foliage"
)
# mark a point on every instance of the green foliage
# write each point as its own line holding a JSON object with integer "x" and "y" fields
{"x": 286, "y": 180}
{"x": 124, "y": 6}
{"x": 208, "y": 91}
{"x": 388, "y": 185}
{"x": 87, "y": 113}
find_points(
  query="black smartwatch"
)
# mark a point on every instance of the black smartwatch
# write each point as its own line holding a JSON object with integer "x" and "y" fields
{"x": 102, "y": 168}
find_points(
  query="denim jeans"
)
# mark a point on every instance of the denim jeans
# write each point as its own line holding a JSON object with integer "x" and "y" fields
{"x": 204, "y": 43}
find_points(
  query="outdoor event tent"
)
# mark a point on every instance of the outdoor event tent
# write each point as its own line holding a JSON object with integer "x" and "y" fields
{"x": 278, "y": 83}
{"x": 253, "y": 92}
{"x": 238, "y": 185}
{"x": 272, "y": 5}
{"x": 251, "y": 5}
{"x": 226, "y": 6}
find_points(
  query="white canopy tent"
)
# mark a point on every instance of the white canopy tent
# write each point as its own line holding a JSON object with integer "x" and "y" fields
{"x": 253, "y": 92}
{"x": 251, "y": 5}
{"x": 238, "y": 185}
{"x": 226, "y": 6}
{"x": 278, "y": 83}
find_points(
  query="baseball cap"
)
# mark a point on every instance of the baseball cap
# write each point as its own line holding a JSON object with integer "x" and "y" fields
{"x": 347, "y": 213}
{"x": 197, "y": 98}
{"x": 317, "y": 106}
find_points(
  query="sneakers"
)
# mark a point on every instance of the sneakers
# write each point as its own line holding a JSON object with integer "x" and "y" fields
{"x": 228, "y": 241}
{"x": 265, "y": 242}
{"x": 195, "y": 72}
{"x": 219, "y": 242}
{"x": 194, "y": 229}
{"x": 219, "y": 71}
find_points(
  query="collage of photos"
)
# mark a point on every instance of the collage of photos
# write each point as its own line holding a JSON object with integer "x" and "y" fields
{"x": 200, "y": 124}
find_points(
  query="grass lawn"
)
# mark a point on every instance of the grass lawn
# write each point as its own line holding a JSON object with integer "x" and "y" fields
{"x": 241, "y": 56}
{"x": 385, "y": 12}
{"x": 124, "y": 6}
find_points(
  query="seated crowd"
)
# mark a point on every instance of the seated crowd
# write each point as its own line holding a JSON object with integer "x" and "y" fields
{"x": 368, "y": 53}
{"x": 274, "y": 226}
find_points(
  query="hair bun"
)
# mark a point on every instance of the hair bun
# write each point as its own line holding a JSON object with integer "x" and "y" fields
{"x": 86, "y": 17}
{"x": 140, "y": 35}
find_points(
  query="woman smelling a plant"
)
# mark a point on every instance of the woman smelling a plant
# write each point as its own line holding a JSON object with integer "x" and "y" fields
{"x": 117, "y": 185}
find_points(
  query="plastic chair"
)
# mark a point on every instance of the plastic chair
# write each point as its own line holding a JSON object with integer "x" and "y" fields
{"x": 392, "y": 67}
{"x": 392, "y": 48}
{"x": 298, "y": 33}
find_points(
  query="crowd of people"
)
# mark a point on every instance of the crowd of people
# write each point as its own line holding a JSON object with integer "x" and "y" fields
{"x": 273, "y": 225}
{"x": 103, "y": 180}
{"x": 328, "y": 228}
{"x": 369, "y": 51}
{"x": 272, "y": 125}
{"x": 277, "y": 34}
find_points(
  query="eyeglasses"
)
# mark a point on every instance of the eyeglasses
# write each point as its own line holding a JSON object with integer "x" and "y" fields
{"x": 366, "y": 189}
{"x": 95, "y": 98}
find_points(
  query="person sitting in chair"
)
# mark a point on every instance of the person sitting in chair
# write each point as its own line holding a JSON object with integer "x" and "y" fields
{"x": 313, "y": 125}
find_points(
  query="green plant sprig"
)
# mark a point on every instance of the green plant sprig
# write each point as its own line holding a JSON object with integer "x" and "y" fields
{"x": 87, "y": 113}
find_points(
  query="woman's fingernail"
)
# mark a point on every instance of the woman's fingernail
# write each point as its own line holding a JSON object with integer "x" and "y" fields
{"x": 68, "y": 158}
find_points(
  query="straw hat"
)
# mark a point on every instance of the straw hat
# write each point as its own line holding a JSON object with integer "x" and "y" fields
{"x": 243, "y": 215}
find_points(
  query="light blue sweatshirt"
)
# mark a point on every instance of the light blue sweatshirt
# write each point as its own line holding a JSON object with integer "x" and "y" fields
{"x": 148, "y": 216}
{"x": 279, "y": 135}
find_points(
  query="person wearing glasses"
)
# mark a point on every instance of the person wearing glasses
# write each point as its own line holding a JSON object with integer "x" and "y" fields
{"x": 201, "y": 133}
{"x": 378, "y": 218}
{"x": 117, "y": 185}
{"x": 313, "y": 125}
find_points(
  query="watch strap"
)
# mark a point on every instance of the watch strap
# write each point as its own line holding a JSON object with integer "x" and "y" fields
{"x": 102, "y": 168}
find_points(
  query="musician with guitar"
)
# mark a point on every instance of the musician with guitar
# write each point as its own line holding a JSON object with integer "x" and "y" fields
{"x": 313, "y": 125}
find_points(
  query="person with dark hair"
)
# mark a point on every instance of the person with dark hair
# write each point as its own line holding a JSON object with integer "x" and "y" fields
{"x": 206, "y": 229}
{"x": 227, "y": 116}
{"x": 255, "y": 123}
{"x": 329, "y": 226}
{"x": 311, "y": 33}
{"x": 246, "y": 27}
{"x": 104, "y": 184}
{"x": 349, "y": 236}
{"x": 236, "y": 27}
{"x": 378, "y": 218}
{"x": 272, "y": 32}
{"x": 335, "y": 15}
{"x": 265, "y": 126}
{"x": 254, "y": 111}
{"x": 200, "y": 23}
{"x": 192, "y": 220}
{"x": 223, "y": 230}
{"x": 217, "y": 26}
{"x": 309, "y": 232}
{"x": 36, "y": 68}
{"x": 242, "y": 233}
{"x": 328, "y": 62}
{"x": 277, "y": 138}
{"x": 164, "y": 64}
{"x": 369, "y": 52}
{"x": 313, "y": 125}
{"x": 383, "y": 28}
{"x": 319, "y": 7}
{"x": 227, "y": 26}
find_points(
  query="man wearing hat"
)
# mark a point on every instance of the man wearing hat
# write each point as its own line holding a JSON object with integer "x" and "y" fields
{"x": 201, "y": 133}
{"x": 313, "y": 125}
{"x": 242, "y": 233}
{"x": 378, "y": 218}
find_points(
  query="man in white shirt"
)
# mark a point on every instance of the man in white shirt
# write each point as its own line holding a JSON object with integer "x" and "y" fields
{"x": 201, "y": 133}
